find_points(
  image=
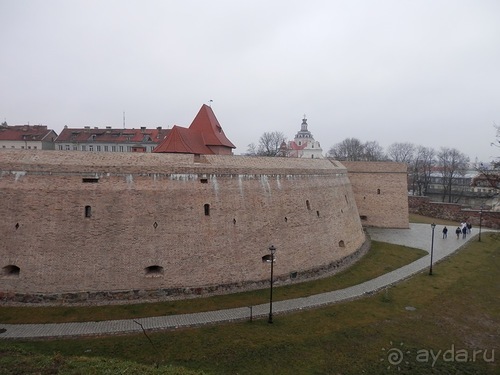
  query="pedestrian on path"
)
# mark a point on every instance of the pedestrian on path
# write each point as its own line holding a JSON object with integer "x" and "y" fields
{"x": 445, "y": 232}
{"x": 457, "y": 232}
{"x": 464, "y": 232}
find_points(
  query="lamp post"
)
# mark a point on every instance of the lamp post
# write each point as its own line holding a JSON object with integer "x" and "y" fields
{"x": 433, "y": 226}
{"x": 272, "y": 249}
{"x": 480, "y": 222}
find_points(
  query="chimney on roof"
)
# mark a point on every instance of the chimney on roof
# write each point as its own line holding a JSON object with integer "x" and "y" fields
{"x": 158, "y": 128}
{"x": 108, "y": 127}
{"x": 143, "y": 128}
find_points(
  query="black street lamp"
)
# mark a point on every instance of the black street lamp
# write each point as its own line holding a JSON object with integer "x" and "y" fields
{"x": 480, "y": 222}
{"x": 272, "y": 249}
{"x": 433, "y": 226}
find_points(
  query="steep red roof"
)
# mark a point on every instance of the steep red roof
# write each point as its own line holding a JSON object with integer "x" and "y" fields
{"x": 182, "y": 140}
{"x": 206, "y": 123}
{"x": 204, "y": 136}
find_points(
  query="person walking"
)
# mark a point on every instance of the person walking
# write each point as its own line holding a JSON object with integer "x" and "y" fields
{"x": 464, "y": 232}
{"x": 445, "y": 232}
{"x": 457, "y": 232}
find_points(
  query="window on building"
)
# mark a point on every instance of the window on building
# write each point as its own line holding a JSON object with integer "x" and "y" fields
{"x": 378, "y": 191}
{"x": 98, "y": 148}
{"x": 91, "y": 147}
{"x": 206, "y": 207}
{"x": 88, "y": 211}
{"x": 60, "y": 147}
{"x": 84, "y": 148}
{"x": 341, "y": 243}
{"x": 154, "y": 271}
{"x": 92, "y": 180}
{"x": 11, "y": 271}
{"x": 35, "y": 147}
{"x": 75, "y": 147}
{"x": 121, "y": 149}
{"x": 113, "y": 148}
{"x": 67, "y": 147}
{"x": 106, "y": 148}
{"x": 308, "y": 205}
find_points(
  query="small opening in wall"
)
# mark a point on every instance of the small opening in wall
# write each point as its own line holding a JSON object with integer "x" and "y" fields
{"x": 341, "y": 243}
{"x": 206, "y": 207}
{"x": 234, "y": 221}
{"x": 286, "y": 219}
{"x": 293, "y": 275}
{"x": 154, "y": 271}
{"x": 204, "y": 180}
{"x": 346, "y": 199}
{"x": 363, "y": 217}
{"x": 88, "y": 211}
{"x": 90, "y": 180}
{"x": 378, "y": 191}
{"x": 308, "y": 205}
{"x": 317, "y": 213}
{"x": 11, "y": 271}
{"x": 16, "y": 226}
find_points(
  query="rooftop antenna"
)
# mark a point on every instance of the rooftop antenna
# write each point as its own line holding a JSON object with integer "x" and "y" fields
{"x": 123, "y": 119}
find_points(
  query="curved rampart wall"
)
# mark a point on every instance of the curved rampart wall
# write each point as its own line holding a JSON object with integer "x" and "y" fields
{"x": 76, "y": 222}
{"x": 381, "y": 193}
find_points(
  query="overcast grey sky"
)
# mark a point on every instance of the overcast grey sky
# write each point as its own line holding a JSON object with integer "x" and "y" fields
{"x": 421, "y": 71}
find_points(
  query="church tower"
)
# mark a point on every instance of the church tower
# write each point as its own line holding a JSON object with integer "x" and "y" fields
{"x": 304, "y": 145}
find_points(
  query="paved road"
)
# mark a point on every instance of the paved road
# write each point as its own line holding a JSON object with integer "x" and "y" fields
{"x": 417, "y": 236}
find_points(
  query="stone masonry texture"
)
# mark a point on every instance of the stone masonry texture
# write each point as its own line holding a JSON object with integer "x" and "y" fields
{"x": 89, "y": 224}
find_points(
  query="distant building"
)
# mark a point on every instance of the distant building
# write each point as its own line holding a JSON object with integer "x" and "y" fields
{"x": 203, "y": 137}
{"x": 304, "y": 145}
{"x": 27, "y": 137}
{"x": 110, "y": 140}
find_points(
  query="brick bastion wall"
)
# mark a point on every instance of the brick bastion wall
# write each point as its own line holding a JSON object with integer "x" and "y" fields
{"x": 87, "y": 227}
{"x": 381, "y": 193}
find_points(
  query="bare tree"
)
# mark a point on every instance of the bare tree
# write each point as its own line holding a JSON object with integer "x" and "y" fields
{"x": 270, "y": 143}
{"x": 350, "y": 149}
{"x": 373, "y": 152}
{"x": 452, "y": 163}
{"x": 401, "y": 152}
{"x": 421, "y": 168}
{"x": 251, "y": 150}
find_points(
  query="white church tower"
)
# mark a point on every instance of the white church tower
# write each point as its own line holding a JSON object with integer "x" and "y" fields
{"x": 304, "y": 145}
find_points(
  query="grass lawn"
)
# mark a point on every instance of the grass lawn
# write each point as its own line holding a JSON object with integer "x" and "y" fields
{"x": 448, "y": 323}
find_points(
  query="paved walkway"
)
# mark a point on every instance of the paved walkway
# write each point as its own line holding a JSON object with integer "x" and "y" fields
{"x": 417, "y": 236}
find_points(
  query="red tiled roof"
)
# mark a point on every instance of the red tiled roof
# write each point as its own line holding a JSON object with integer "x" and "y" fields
{"x": 184, "y": 141}
{"x": 25, "y": 133}
{"x": 206, "y": 123}
{"x": 295, "y": 146}
{"x": 112, "y": 135}
{"x": 203, "y": 133}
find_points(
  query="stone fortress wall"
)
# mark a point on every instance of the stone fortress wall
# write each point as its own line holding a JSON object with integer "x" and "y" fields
{"x": 92, "y": 226}
{"x": 381, "y": 193}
